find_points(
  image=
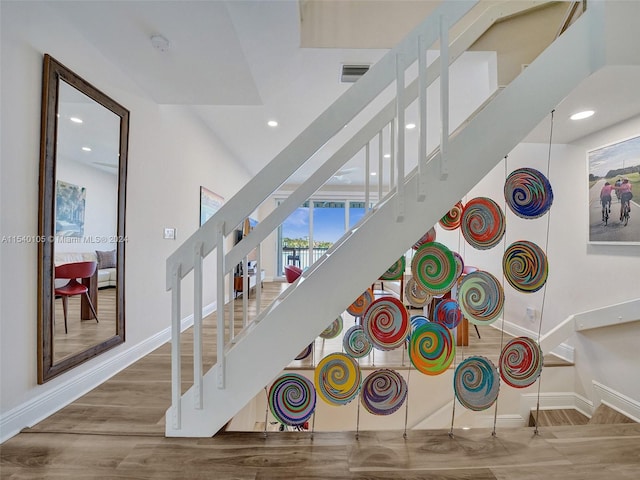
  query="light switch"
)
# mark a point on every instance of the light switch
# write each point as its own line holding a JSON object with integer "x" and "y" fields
{"x": 169, "y": 233}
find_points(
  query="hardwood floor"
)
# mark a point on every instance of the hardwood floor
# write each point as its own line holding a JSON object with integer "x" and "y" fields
{"x": 116, "y": 431}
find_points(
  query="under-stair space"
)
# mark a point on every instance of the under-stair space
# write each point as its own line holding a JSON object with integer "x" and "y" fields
{"x": 251, "y": 352}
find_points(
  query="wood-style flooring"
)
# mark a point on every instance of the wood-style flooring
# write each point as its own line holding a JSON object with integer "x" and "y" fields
{"x": 116, "y": 431}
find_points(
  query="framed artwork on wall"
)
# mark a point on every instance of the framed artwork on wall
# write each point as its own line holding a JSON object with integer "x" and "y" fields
{"x": 210, "y": 203}
{"x": 70, "y": 207}
{"x": 614, "y": 193}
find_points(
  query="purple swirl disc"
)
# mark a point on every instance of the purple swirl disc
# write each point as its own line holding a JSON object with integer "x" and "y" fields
{"x": 338, "y": 379}
{"x": 386, "y": 323}
{"x": 292, "y": 399}
{"x": 480, "y": 297}
{"x": 525, "y": 266}
{"x": 305, "y": 353}
{"x": 434, "y": 267}
{"x": 355, "y": 342}
{"x": 333, "y": 330}
{"x": 452, "y": 218}
{"x": 476, "y": 383}
{"x": 447, "y": 313}
{"x": 415, "y": 295}
{"x": 528, "y": 193}
{"x": 483, "y": 224}
{"x": 428, "y": 237}
{"x": 361, "y": 304}
{"x": 431, "y": 348}
{"x": 395, "y": 271}
{"x": 383, "y": 392}
{"x": 521, "y": 362}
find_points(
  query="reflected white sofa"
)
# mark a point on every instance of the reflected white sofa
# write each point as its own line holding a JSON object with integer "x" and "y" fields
{"x": 107, "y": 277}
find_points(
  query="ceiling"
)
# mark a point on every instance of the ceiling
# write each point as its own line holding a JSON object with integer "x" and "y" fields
{"x": 238, "y": 64}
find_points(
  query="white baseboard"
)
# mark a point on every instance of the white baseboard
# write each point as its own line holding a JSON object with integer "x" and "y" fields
{"x": 554, "y": 401}
{"x": 616, "y": 400}
{"x": 44, "y": 405}
{"x": 563, "y": 350}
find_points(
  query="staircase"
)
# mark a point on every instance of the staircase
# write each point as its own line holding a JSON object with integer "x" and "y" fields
{"x": 416, "y": 202}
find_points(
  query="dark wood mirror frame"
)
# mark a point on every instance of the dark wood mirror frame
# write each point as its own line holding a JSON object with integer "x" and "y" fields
{"x": 53, "y": 73}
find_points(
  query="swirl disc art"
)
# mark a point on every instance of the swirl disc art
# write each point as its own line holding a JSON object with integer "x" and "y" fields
{"x": 459, "y": 264}
{"x": 415, "y": 321}
{"x": 428, "y": 237}
{"x": 305, "y": 353}
{"x": 480, "y": 297}
{"x": 395, "y": 271}
{"x": 521, "y": 362}
{"x": 415, "y": 295}
{"x": 292, "y": 399}
{"x": 528, "y": 193}
{"x": 333, "y": 330}
{"x": 383, "y": 392}
{"x": 361, "y": 304}
{"x": 338, "y": 379}
{"x": 386, "y": 323}
{"x": 434, "y": 267}
{"x": 447, "y": 313}
{"x": 476, "y": 383}
{"x": 452, "y": 218}
{"x": 431, "y": 348}
{"x": 355, "y": 342}
{"x": 525, "y": 266}
{"x": 483, "y": 223}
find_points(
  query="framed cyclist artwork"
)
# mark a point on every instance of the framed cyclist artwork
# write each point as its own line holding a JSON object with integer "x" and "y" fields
{"x": 614, "y": 193}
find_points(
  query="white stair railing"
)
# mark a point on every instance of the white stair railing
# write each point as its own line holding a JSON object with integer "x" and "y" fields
{"x": 213, "y": 234}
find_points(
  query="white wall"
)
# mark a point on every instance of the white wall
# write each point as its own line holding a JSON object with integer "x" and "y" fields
{"x": 171, "y": 153}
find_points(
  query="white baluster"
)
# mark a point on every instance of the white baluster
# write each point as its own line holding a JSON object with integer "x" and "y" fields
{"x": 245, "y": 291}
{"x": 392, "y": 152}
{"x": 400, "y": 94}
{"x": 444, "y": 98}
{"x": 380, "y": 165}
{"x": 197, "y": 326}
{"x": 176, "y": 376}
{"x": 220, "y": 380}
{"x": 366, "y": 177}
{"x": 258, "y": 278}
{"x": 422, "y": 99}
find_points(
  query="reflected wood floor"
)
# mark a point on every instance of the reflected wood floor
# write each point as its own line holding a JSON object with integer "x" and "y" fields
{"x": 117, "y": 431}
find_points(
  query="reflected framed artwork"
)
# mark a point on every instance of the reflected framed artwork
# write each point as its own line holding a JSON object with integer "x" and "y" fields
{"x": 210, "y": 203}
{"x": 614, "y": 190}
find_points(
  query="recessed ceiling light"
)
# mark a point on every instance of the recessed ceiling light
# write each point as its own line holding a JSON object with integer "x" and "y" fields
{"x": 410, "y": 126}
{"x": 272, "y": 123}
{"x": 582, "y": 115}
{"x": 373, "y": 174}
{"x": 387, "y": 155}
{"x": 86, "y": 149}
{"x": 75, "y": 120}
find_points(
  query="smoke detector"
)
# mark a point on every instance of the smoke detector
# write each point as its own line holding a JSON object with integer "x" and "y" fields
{"x": 160, "y": 43}
{"x": 352, "y": 73}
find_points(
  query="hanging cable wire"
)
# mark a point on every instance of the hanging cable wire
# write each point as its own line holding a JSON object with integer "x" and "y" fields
{"x": 544, "y": 290}
{"x": 406, "y": 412}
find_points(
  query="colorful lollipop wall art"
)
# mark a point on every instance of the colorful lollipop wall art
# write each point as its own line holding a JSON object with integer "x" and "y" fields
{"x": 521, "y": 362}
{"x": 447, "y": 313}
{"x": 386, "y": 323}
{"x": 476, "y": 383}
{"x": 333, "y": 330}
{"x": 525, "y": 266}
{"x": 528, "y": 193}
{"x": 428, "y": 237}
{"x": 361, "y": 304}
{"x": 481, "y": 297}
{"x": 431, "y": 348}
{"x": 383, "y": 392}
{"x": 292, "y": 399}
{"x": 482, "y": 224}
{"x": 415, "y": 295}
{"x": 355, "y": 342}
{"x": 395, "y": 271}
{"x": 434, "y": 267}
{"x": 451, "y": 220}
{"x": 338, "y": 379}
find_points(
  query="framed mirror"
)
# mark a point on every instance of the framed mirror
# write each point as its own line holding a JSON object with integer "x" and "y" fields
{"x": 81, "y": 222}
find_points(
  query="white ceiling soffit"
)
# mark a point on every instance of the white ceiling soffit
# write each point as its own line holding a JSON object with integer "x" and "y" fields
{"x": 204, "y": 64}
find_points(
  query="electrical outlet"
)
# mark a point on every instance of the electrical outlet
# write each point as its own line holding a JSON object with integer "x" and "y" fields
{"x": 531, "y": 313}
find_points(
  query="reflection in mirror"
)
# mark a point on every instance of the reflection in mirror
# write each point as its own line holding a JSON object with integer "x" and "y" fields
{"x": 82, "y": 196}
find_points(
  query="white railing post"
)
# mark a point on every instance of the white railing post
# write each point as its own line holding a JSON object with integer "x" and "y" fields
{"x": 392, "y": 153}
{"x": 197, "y": 326}
{"x": 258, "y": 279}
{"x": 220, "y": 305}
{"x": 232, "y": 310}
{"x": 176, "y": 377}
{"x": 245, "y": 291}
{"x": 380, "y": 165}
{"x": 444, "y": 97}
{"x": 422, "y": 99}
{"x": 366, "y": 177}
{"x": 400, "y": 94}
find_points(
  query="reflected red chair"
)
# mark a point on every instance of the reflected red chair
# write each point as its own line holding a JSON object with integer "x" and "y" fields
{"x": 291, "y": 272}
{"x": 73, "y": 272}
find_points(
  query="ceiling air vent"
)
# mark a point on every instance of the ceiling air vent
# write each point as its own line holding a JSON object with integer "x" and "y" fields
{"x": 351, "y": 73}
